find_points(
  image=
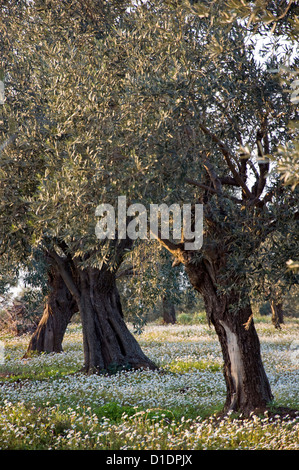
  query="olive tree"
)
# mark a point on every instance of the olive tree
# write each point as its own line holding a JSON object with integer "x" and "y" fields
{"x": 202, "y": 118}
{"x": 168, "y": 106}
{"x": 58, "y": 95}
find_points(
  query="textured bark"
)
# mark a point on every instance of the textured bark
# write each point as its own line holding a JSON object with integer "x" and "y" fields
{"x": 277, "y": 313}
{"x": 247, "y": 385}
{"x": 108, "y": 343}
{"x": 58, "y": 311}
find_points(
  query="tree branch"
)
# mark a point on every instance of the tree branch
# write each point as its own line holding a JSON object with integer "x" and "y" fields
{"x": 212, "y": 190}
{"x": 244, "y": 159}
{"x": 65, "y": 274}
{"x": 228, "y": 158}
{"x": 228, "y": 180}
{"x": 226, "y": 153}
{"x": 262, "y": 136}
{"x": 213, "y": 176}
{"x": 176, "y": 250}
{"x": 253, "y": 169}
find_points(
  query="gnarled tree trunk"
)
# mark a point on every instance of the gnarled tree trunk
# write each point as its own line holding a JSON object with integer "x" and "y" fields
{"x": 59, "y": 308}
{"x": 230, "y": 313}
{"x": 108, "y": 343}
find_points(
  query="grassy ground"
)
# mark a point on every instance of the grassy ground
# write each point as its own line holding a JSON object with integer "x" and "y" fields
{"x": 46, "y": 404}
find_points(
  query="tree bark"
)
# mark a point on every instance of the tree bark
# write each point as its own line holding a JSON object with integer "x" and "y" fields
{"x": 248, "y": 388}
{"x": 277, "y": 313}
{"x": 108, "y": 344}
{"x": 59, "y": 308}
{"x": 168, "y": 311}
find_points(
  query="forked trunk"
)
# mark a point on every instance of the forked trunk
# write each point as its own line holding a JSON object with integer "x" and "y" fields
{"x": 247, "y": 385}
{"x": 108, "y": 343}
{"x": 58, "y": 311}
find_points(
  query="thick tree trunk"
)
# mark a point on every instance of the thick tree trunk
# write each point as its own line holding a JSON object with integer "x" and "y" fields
{"x": 277, "y": 313}
{"x": 168, "y": 311}
{"x": 108, "y": 343}
{"x": 247, "y": 385}
{"x": 58, "y": 311}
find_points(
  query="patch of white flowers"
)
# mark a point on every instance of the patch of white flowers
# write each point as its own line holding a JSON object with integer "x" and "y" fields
{"x": 70, "y": 429}
{"x": 60, "y": 410}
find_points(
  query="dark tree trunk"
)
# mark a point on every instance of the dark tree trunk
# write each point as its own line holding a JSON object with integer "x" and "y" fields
{"x": 168, "y": 311}
{"x": 277, "y": 314}
{"x": 108, "y": 344}
{"x": 59, "y": 308}
{"x": 247, "y": 385}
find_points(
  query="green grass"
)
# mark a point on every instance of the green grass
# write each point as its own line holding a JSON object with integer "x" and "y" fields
{"x": 187, "y": 366}
{"x": 26, "y": 371}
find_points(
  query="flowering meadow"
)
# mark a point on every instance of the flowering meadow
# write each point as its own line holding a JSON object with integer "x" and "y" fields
{"x": 45, "y": 403}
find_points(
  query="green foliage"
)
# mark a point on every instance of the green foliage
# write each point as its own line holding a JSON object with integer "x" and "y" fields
{"x": 144, "y": 280}
{"x": 183, "y": 366}
{"x": 114, "y": 411}
{"x": 139, "y": 102}
{"x": 265, "y": 309}
{"x": 191, "y": 318}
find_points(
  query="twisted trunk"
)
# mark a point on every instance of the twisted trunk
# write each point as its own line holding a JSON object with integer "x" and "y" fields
{"x": 59, "y": 308}
{"x": 230, "y": 313}
{"x": 108, "y": 343}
